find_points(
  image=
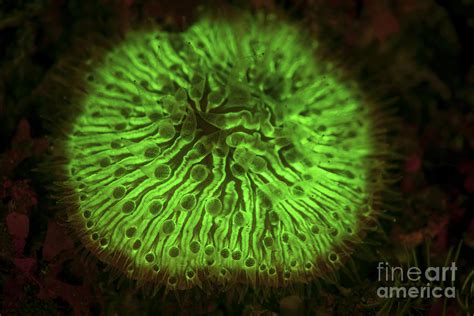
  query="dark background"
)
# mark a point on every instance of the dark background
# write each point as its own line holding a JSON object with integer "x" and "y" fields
{"x": 418, "y": 52}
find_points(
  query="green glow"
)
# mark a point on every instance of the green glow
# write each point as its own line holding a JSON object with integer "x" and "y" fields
{"x": 227, "y": 153}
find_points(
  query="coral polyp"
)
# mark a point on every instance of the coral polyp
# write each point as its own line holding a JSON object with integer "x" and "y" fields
{"x": 229, "y": 153}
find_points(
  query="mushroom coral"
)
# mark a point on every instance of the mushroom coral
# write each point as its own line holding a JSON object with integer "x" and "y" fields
{"x": 229, "y": 153}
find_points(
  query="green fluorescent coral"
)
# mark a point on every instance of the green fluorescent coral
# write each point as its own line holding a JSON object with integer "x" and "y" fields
{"x": 228, "y": 153}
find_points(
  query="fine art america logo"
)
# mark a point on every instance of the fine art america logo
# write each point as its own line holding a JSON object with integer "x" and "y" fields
{"x": 414, "y": 282}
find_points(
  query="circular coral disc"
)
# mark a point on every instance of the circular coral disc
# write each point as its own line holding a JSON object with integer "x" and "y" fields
{"x": 229, "y": 152}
